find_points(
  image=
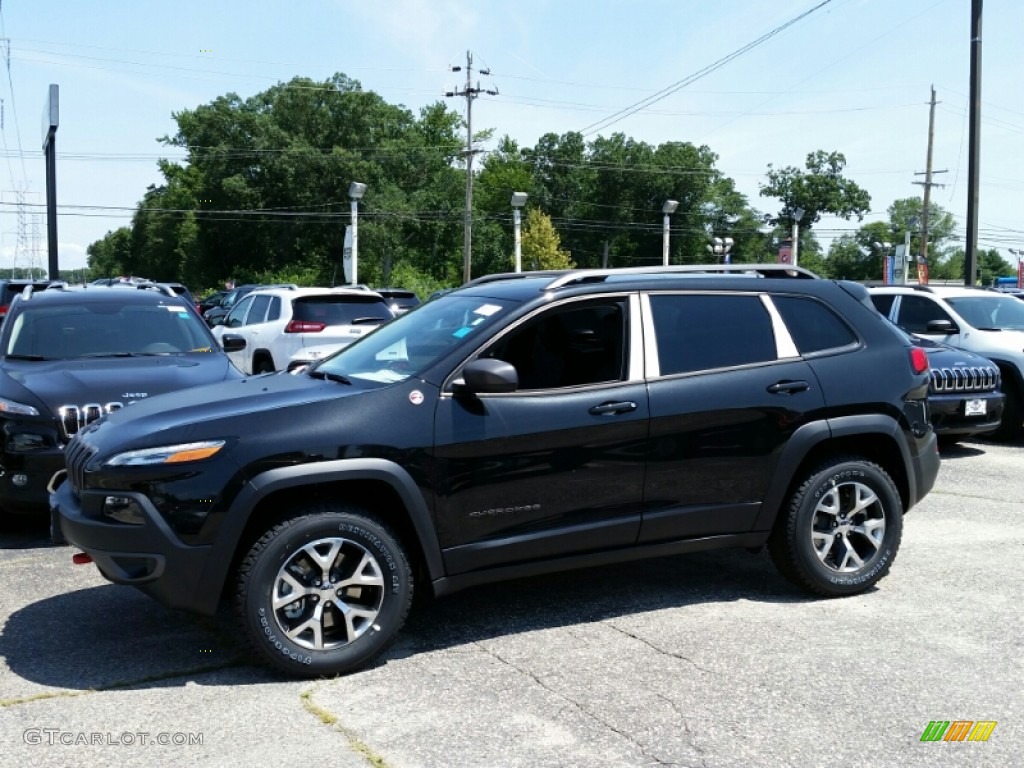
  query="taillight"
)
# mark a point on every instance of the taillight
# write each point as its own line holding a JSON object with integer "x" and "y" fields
{"x": 918, "y": 360}
{"x": 304, "y": 326}
{"x": 3, "y": 310}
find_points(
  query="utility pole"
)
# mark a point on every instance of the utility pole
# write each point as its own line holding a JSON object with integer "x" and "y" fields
{"x": 469, "y": 93}
{"x": 974, "y": 148}
{"x": 928, "y": 183}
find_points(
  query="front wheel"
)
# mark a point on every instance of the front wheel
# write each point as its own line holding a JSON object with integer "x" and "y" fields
{"x": 841, "y": 529}
{"x": 325, "y": 592}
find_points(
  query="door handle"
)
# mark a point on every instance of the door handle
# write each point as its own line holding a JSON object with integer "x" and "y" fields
{"x": 788, "y": 387}
{"x": 611, "y": 409}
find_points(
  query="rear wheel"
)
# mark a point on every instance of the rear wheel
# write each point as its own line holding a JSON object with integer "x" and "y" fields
{"x": 841, "y": 529}
{"x": 324, "y": 592}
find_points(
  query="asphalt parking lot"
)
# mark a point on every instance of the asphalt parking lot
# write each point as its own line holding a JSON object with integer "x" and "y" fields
{"x": 703, "y": 660}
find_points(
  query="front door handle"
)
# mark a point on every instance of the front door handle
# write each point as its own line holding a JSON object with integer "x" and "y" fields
{"x": 611, "y": 409}
{"x": 788, "y": 387}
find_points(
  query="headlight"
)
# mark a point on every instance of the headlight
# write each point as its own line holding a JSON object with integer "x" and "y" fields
{"x": 13, "y": 407}
{"x": 166, "y": 454}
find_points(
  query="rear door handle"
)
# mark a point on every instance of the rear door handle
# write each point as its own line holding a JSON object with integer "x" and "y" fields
{"x": 788, "y": 387}
{"x": 611, "y": 409}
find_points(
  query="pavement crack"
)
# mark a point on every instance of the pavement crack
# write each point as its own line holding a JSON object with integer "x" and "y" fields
{"x": 118, "y": 685}
{"x": 691, "y": 736}
{"x": 331, "y": 720}
{"x": 653, "y": 647}
{"x": 578, "y": 707}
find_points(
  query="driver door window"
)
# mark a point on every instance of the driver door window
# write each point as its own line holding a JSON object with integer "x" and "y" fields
{"x": 568, "y": 346}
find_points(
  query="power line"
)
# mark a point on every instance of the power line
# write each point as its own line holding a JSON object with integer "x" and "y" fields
{"x": 632, "y": 109}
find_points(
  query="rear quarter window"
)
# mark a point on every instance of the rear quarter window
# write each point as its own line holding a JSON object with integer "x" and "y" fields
{"x": 813, "y": 326}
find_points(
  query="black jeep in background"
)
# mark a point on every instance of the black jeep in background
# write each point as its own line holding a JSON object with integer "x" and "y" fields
{"x": 69, "y": 356}
{"x": 521, "y": 425}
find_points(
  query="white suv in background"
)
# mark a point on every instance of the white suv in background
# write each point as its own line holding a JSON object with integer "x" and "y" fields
{"x": 988, "y": 323}
{"x": 285, "y": 328}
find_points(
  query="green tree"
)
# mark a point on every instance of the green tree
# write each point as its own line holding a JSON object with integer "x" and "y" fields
{"x": 541, "y": 245}
{"x": 822, "y": 188}
{"x": 861, "y": 256}
{"x": 906, "y": 214}
{"x": 110, "y": 255}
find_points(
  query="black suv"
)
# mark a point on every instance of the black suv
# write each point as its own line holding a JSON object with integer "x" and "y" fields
{"x": 521, "y": 425}
{"x": 70, "y": 355}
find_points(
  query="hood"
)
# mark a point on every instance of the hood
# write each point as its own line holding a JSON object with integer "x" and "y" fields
{"x": 193, "y": 413}
{"x": 943, "y": 356}
{"x": 112, "y": 379}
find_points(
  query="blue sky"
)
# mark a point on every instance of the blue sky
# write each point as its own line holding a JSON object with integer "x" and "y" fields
{"x": 853, "y": 76}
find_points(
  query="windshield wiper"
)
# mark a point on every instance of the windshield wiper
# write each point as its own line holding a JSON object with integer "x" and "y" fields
{"x": 329, "y": 376}
{"x": 27, "y": 357}
{"x": 359, "y": 320}
{"x": 989, "y": 329}
{"x": 125, "y": 354}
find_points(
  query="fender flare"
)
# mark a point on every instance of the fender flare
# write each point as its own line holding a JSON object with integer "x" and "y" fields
{"x": 262, "y": 485}
{"x": 803, "y": 441}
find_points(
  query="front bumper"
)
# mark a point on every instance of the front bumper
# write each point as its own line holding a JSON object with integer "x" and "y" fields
{"x": 148, "y": 556}
{"x": 23, "y": 480}
{"x": 949, "y": 412}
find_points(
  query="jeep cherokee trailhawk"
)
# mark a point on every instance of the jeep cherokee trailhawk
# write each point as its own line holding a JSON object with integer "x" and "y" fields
{"x": 520, "y": 425}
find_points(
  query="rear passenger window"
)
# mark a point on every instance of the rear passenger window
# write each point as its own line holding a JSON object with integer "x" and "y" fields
{"x": 258, "y": 312}
{"x": 813, "y": 326}
{"x": 697, "y": 333}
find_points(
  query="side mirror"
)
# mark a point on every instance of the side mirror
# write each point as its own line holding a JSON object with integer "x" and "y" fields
{"x": 941, "y": 326}
{"x": 216, "y": 320}
{"x": 489, "y": 376}
{"x": 232, "y": 342}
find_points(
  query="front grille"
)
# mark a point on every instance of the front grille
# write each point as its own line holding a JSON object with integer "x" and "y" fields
{"x": 74, "y": 417}
{"x": 76, "y": 457}
{"x": 974, "y": 379}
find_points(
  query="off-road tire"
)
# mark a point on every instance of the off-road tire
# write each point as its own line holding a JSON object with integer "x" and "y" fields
{"x": 800, "y": 543}
{"x": 370, "y": 581}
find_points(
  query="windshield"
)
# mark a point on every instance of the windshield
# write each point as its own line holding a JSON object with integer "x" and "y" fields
{"x": 1002, "y": 312}
{"x": 105, "y": 329}
{"x": 413, "y": 342}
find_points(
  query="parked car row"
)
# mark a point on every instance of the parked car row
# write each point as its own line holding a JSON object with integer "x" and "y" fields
{"x": 987, "y": 323}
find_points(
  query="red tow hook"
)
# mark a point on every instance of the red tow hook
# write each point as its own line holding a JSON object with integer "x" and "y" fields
{"x": 80, "y": 558}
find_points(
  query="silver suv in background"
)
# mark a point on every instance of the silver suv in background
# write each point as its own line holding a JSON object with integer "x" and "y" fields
{"x": 988, "y": 323}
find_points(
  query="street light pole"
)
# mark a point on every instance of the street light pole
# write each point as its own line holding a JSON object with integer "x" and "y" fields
{"x": 721, "y": 247}
{"x": 355, "y": 192}
{"x": 668, "y": 209}
{"x": 518, "y": 201}
{"x": 797, "y": 215}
